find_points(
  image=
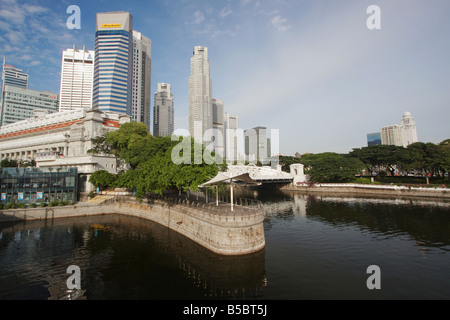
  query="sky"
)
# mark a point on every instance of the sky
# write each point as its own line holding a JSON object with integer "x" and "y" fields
{"x": 311, "y": 69}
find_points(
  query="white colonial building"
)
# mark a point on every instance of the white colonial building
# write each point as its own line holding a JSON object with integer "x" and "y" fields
{"x": 62, "y": 140}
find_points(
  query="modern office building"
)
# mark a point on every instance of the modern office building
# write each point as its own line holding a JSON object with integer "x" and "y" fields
{"x": 77, "y": 78}
{"x": 19, "y": 104}
{"x": 392, "y": 135}
{"x": 142, "y": 65}
{"x": 373, "y": 139}
{"x": 163, "y": 111}
{"x": 400, "y": 135}
{"x": 200, "y": 95}
{"x": 113, "y": 71}
{"x": 218, "y": 127}
{"x": 232, "y": 137}
{"x": 257, "y": 145}
{"x": 62, "y": 139}
{"x": 13, "y": 76}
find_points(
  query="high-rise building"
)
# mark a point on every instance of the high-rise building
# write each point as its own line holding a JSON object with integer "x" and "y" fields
{"x": 232, "y": 138}
{"x": 163, "y": 112}
{"x": 113, "y": 71}
{"x": 77, "y": 77}
{"x": 20, "y": 104}
{"x": 142, "y": 63}
{"x": 13, "y": 76}
{"x": 373, "y": 139}
{"x": 392, "y": 135}
{"x": 200, "y": 95}
{"x": 409, "y": 130}
{"x": 257, "y": 145}
{"x": 400, "y": 135}
{"x": 218, "y": 127}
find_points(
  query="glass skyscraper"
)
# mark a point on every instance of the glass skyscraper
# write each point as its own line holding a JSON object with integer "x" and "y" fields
{"x": 113, "y": 71}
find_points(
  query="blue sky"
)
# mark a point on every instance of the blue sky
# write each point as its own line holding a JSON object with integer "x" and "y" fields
{"x": 311, "y": 69}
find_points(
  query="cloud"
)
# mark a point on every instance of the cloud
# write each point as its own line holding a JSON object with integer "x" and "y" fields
{"x": 198, "y": 17}
{"x": 280, "y": 23}
{"x": 225, "y": 12}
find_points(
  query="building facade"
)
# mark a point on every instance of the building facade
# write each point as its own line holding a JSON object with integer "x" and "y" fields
{"x": 163, "y": 111}
{"x": 218, "y": 127}
{"x": 392, "y": 135}
{"x": 200, "y": 95}
{"x": 232, "y": 136}
{"x": 142, "y": 65}
{"x": 19, "y": 104}
{"x": 113, "y": 71}
{"x": 62, "y": 140}
{"x": 77, "y": 79}
{"x": 257, "y": 145}
{"x": 373, "y": 139}
{"x": 409, "y": 130}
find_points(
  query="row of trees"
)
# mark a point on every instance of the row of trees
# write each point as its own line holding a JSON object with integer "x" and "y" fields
{"x": 421, "y": 159}
{"x": 151, "y": 168}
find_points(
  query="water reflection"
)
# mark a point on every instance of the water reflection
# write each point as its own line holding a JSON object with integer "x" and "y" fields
{"x": 120, "y": 258}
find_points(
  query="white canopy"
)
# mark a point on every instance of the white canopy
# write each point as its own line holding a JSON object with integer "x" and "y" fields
{"x": 227, "y": 177}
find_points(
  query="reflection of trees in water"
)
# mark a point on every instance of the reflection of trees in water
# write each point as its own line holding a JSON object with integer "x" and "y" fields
{"x": 427, "y": 223}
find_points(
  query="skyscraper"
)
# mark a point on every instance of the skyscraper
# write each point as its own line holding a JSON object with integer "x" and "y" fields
{"x": 77, "y": 76}
{"x": 218, "y": 119}
{"x": 13, "y": 77}
{"x": 200, "y": 95}
{"x": 113, "y": 70}
{"x": 392, "y": 135}
{"x": 163, "y": 112}
{"x": 141, "y": 99}
{"x": 233, "y": 135}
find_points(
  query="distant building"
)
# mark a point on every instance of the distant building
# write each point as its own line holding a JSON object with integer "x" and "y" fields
{"x": 77, "y": 79}
{"x": 400, "y": 135}
{"x": 142, "y": 66}
{"x": 218, "y": 126}
{"x": 14, "y": 77}
{"x": 409, "y": 130}
{"x": 200, "y": 95}
{"x": 257, "y": 145}
{"x": 163, "y": 111}
{"x": 231, "y": 138}
{"x": 373, "y": 139}
{"x": 19, "y": 103}
{"x": 113, "y": 71}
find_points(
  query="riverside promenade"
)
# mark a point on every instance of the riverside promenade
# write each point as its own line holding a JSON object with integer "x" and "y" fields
{"x": 213, "y": 225}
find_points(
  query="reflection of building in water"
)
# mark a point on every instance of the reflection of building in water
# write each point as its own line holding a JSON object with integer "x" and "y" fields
{"x": 299, "y": 206}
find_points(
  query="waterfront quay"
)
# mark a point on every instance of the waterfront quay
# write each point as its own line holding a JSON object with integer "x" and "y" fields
{"x": 211, "y": 224}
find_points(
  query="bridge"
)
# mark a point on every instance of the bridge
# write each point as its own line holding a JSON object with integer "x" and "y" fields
{"x": 268, "y": 175}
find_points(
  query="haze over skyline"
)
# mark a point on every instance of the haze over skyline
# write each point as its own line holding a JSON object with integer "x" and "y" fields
{"x": 311, "y": 69}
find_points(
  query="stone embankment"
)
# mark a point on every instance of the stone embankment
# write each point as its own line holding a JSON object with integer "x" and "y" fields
{"x": 217, "y": 228}
{"x": 389, "y": 191}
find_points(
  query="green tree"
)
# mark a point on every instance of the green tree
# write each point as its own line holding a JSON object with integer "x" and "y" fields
{"x": 102, "y": 179}
{"x": 331, "y": 167}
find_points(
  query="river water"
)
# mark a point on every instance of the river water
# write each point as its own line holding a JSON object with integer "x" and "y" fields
{"x": 316, "y": 248}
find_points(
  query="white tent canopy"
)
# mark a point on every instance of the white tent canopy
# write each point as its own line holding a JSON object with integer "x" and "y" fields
{"x": 225, "y": 177}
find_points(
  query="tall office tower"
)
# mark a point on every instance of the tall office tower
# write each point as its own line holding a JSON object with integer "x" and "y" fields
{"x": 200, "y": 96}
{"x": 20, "y": 104}
{"x": 77, "y": 78}
{"x": 232, "y": 138}
{"x": 409, "y": 130}
{"x": 373, "y": 139}
{"x": 218, "y": 118}
{"x": 113, "y": 71}
{"x": 11, "y": 76}
{"x": 392, "y": 135}
{"x": 257, "y": 145}
{"x": 163, "y": 113}
{"x": 142, "y": 64}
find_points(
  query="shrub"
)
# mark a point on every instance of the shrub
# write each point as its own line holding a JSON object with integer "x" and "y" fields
{"x": 42, "y": 204}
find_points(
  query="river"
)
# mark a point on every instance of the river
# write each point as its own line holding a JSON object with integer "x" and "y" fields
{"x": 317, "y": 247}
